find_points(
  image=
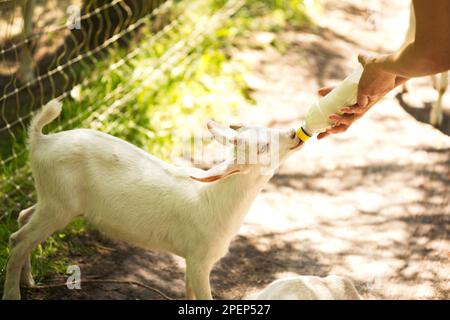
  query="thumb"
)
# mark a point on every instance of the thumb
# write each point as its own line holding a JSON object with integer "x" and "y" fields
{"x": 363, "y": 59}
{"x": 325, "y": 90}
{"x": 362, "y": 100}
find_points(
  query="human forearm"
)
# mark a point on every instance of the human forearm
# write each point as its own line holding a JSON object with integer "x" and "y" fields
{"x": 415, "y": 61}
{"x": 429, "y": 53}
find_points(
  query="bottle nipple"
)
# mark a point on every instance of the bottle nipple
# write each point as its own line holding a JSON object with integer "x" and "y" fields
{"x": 303, "y": 135}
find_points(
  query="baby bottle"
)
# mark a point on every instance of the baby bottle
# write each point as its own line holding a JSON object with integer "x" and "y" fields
{"x": 344, "y": 95}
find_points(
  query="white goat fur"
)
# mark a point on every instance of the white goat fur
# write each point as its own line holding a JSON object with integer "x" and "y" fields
{"x": 309, "y": 288}
{"x": 439, "y": 81}
{"x": 138, "y": 198}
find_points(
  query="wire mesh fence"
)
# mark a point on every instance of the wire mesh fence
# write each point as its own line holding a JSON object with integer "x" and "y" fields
{"x": 59, "y": 49}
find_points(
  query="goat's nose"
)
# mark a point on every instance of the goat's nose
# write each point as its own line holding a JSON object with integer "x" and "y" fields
{"x": 292, "y": 133}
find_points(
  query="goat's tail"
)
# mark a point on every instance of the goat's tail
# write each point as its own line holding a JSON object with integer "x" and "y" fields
{"x": 47, "y": 114}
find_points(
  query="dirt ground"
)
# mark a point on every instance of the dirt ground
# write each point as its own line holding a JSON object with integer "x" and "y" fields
{"x": 372, "y": 204}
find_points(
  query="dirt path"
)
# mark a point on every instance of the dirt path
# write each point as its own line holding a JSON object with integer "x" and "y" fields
{"x": 372, "y": 204}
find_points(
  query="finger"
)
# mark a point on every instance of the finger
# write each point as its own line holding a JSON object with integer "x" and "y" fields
{"x": 335, "y": 118}
{"x": 349, "y": 109}
{"x": 338, "y": 129}
{"x": 323, "y": 135}
{"x": 355, "y": 109}
{"x": 363, "y": 100}
{"x": 325, "y": 90}
{"x": 347, "y": 119}
{"x": 362, "y": 58}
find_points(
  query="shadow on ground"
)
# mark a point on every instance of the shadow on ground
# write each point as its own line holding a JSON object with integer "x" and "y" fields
{"x": 422, "y": 114}
{"x": 118, "y": 261}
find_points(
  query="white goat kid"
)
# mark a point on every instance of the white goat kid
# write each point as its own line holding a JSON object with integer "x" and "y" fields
{"x": 439, "y": 81}
{"x": 309, "y": 288}
{"x": 138, "y": 198}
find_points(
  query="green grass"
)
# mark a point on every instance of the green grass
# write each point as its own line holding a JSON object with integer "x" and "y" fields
{"x": 205, "y": 82}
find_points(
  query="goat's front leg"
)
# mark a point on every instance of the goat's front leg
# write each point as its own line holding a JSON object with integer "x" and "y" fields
{"x": 190, "y": 295}
{"x": 197, "y": 276}
{"x": 440, "y": 85}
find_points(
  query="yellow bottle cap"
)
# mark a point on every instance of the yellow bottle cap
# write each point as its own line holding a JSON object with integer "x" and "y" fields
{"x": 302, "y": 135}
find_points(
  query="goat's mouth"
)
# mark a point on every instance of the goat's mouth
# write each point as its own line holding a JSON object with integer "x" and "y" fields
{"x": 300, "y": 142}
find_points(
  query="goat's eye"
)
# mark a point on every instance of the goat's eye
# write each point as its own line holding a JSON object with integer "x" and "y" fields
{"x": 263, "y": 148}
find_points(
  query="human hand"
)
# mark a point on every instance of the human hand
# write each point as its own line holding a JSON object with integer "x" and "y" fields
{"x": 341, "y": 122}
{"x": 373, "y": 86}
{"x": 375, "y": 82}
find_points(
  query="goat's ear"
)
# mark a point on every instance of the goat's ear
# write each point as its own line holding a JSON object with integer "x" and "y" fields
{"x": 216, "y": 173}
{"x": 221, "y": 133}
{"x": 237, "y": 126}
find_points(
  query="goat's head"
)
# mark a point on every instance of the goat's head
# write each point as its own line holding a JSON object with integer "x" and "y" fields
{"x": 254, "y": 148}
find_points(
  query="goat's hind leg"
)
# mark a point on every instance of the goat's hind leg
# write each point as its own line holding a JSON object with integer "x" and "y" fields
{"x": 26, "y": 278}
{"x": 41, "y": 225}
